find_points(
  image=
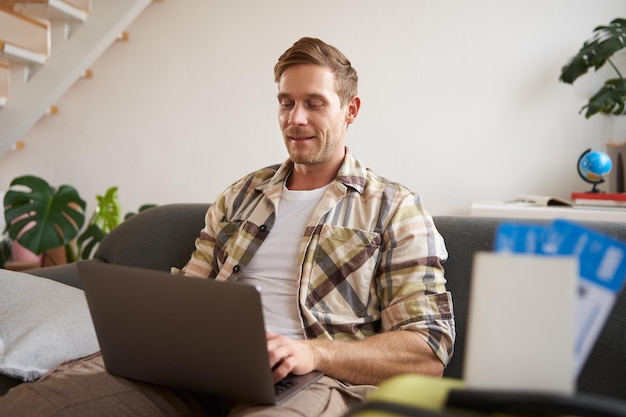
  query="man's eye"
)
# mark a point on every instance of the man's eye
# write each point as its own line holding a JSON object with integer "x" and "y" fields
{"x": 285, "y": 104}
{"x": 316, "y": 105}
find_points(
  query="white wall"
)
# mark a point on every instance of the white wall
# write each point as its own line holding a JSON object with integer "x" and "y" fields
{"x": 461, "y": 99}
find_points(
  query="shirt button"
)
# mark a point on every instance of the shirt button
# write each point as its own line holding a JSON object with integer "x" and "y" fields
{"x": 236, "y": 269}
{"x": 263, "y": 228}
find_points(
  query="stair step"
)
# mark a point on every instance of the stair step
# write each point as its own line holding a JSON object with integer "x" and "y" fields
{"x": 23, "y": 38}
{"x": 5, "y": 79}
{"x": 54, "y": 9}
{"x": 13, "y": 53}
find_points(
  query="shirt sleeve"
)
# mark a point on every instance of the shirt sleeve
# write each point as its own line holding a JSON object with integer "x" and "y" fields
{"x": 411, "y": 282}
{"x": 202, "y": 262}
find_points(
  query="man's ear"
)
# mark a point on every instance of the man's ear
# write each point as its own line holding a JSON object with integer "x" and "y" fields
{"x": 353, "y": 109}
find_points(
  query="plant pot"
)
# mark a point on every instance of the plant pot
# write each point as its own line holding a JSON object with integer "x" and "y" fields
{"x": 20, "y": 254}
{"x": 55, "y": 256}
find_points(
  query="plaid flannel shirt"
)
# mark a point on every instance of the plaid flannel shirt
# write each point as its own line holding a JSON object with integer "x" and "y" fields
{"x": 370, "y": 256}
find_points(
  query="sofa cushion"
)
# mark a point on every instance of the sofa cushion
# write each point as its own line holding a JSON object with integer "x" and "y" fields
{"x": 158, "y": 238}
{"x": 42, "y": 323}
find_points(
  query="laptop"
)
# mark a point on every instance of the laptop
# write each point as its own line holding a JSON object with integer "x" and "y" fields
{"x": 184, "y": 332}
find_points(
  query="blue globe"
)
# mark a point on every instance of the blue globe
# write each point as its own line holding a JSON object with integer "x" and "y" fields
{"x": 594, "y": 166}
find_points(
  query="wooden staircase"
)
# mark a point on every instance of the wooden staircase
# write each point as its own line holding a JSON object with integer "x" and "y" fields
{"x": 45, "y": 47}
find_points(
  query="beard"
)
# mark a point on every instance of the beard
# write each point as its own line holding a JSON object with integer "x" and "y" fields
{"x": 312, "y": 148}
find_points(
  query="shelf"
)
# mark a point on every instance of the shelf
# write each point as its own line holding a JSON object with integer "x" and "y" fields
{"x": 21, "y": 265}
{"x": 531, "y": 211}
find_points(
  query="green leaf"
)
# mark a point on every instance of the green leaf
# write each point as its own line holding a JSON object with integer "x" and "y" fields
{"x": 106, "y": 217}
{"x": 89, "y": 240}
{"x": 611, "y": 99}
{"x": 108, "y": 213}
{"x": 596, "y": 51}
{"x": 41, "y": 218}
{"x": 141, "y": 208}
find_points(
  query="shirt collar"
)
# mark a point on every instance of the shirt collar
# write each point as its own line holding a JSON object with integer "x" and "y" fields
{"x": 352, "y": 173}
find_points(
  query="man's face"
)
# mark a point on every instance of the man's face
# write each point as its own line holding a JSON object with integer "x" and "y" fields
{"x": 310, "y": 114}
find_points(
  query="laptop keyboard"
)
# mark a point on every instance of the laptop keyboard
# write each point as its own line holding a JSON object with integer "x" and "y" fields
{"x": 282, "y": 385}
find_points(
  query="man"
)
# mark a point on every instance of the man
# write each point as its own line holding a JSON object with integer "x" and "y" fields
{"x": 349, "y": 263}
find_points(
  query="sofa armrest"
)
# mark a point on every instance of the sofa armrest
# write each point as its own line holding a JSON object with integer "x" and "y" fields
{"x": 66, "y": 274}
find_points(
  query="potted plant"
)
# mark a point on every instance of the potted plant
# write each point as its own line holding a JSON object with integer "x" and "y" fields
{"x": 106, "y": 216}
{"x": 42, "y": 218}
{"x": 611, "y": 98}
{"x": 595, "y": 52}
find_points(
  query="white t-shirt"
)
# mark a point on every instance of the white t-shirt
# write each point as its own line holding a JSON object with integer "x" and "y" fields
{"x": 275, "y": 266}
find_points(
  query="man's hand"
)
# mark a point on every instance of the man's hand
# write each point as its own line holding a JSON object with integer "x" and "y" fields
{"x": 289, "y": 356}
{"x": 365, "y": 362}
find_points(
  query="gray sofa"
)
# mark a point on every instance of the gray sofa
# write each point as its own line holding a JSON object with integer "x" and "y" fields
{"x": 164, "y": 236}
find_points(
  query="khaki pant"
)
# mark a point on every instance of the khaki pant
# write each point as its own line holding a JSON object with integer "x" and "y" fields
{"x": 83, "y": 388}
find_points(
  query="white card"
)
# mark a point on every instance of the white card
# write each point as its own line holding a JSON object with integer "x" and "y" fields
{"x": 521, "y": 324}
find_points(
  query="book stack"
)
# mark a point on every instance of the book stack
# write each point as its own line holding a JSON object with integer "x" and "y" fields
{"x": 617, "y": 200}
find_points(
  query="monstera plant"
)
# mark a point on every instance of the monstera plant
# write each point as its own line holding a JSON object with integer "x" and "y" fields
{"x": 41, "y": 217}
{"x": 595, "y": 52}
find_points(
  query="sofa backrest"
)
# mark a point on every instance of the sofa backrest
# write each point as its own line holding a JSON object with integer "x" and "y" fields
{"x": 605, "y": 370}
{"x": 164, "y": 236}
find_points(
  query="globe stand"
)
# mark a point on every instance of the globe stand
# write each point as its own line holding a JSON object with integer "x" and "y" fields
{"x": 594, "y": 188}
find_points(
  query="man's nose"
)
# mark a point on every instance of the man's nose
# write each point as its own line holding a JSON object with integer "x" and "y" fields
{"x": 298, "y": 115}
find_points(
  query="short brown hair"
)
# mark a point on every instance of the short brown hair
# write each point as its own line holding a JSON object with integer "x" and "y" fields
{"x": 317, "y": 52}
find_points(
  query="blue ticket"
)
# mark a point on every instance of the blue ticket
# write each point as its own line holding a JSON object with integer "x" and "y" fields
{"x": 602, "y": 258}
{"x": 519, "y": 238}
{"x": 602, "y": 269}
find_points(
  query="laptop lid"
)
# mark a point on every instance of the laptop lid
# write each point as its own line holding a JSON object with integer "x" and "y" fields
{"x": 184, "y": 332}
